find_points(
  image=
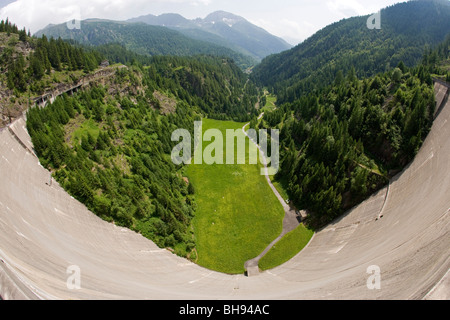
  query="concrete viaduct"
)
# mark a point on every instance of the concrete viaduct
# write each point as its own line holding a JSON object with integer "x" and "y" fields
{"x": 43, "y": 100}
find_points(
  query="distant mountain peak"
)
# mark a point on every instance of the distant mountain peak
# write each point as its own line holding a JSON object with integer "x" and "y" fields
{"x": 223, "y": 28}
{"x": 165, "y": 19}
{"x": 223, "y": 16}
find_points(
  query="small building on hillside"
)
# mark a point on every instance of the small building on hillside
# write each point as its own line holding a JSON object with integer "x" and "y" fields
{"x": 104, "y": 64}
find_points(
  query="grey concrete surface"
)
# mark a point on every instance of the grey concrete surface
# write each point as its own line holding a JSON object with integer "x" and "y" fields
{"x": 43, "y": 231}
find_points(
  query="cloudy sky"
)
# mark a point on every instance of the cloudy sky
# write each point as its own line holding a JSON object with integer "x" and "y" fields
{"x": 293, "y": 20}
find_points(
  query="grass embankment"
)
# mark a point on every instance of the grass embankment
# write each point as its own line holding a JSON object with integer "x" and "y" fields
{"x": 238, "y": 215}
{"x": 287, "y": 248}
{"x": 291, "y": 244}
{"x": 270, "y": 102}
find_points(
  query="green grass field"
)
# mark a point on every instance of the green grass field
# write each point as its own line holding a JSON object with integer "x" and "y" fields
{"x": 87, "y": 127}
{"x": 287, "y": 248}
{"x": 270, "y": 103}
{"x": 237, "y": 216}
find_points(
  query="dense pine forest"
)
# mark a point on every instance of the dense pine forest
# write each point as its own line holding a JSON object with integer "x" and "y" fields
{"x": 42, "y": 56}
{"x": 32, "y": 66}
{"x": 113, "y": 155}
{"x": 343, "y": 142}
{"x": 407, "y": 31}
{"x": 144, "y": 40}
{"x": 217, "y": 86}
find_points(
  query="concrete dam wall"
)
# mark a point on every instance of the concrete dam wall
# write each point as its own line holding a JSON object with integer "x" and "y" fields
{"x": 403, "y": 231}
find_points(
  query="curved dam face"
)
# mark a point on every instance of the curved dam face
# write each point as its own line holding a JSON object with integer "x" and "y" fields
{"x": 395, "y": 245}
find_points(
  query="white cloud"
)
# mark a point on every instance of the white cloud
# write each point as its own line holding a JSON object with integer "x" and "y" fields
{"x": 293, "y": 20}
{"x": 349, "y": 8}
{"x": 4, "y": 3}
{"x": 292, "y": 31}
{"x": 36, "y": 15}
{"x": 295, "y": 32}
{"x": 201, "y": 2}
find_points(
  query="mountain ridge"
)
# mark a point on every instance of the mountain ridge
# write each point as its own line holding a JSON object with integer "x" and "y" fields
{"x": 232, "y": 30}
{"x": 143, "y": 39}
{"x": 406, "y": 31}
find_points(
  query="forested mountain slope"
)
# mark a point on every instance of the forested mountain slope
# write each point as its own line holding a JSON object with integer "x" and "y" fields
{"x": 224, "y": 29}
{"x": 216, "y": 85}
{"x": 343, "y": 142}
{"x": 407, "y": 29}
{"x": 142, "y": 39}
{"x": 31, "y": 66}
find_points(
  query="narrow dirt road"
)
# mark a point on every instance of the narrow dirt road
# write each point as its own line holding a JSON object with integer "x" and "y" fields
{"x": 291, "y": 219}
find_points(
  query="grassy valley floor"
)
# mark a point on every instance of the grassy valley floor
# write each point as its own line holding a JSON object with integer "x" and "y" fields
{"x": 238, "y": 215}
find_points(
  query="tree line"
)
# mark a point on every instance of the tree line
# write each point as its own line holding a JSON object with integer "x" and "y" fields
{"x": 341, "y": 143}
{"x": 47, "y": 56}
{"x": 121, "y": 170}
{"x": 408, "y": 31}
{"x": 9, "y": 27}
{"x": 213, "y": 83}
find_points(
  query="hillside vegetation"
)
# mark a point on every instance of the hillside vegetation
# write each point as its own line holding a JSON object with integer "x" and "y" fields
{"x": 408, "y": 30}
{"x": 109, "y": 146}
{"x": 143, "y": 39}
{"x": 31, "y": 66}
{"x": 342, "y": 143}
{"x": 217, "y": 85}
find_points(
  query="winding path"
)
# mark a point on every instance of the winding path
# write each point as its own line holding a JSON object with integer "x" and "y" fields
{"x": 291, "y": 219}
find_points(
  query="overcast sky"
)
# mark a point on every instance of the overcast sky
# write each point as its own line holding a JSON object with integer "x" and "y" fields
{"x": 293, "y": 20}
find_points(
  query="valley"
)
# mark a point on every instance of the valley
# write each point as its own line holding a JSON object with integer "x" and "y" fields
{"x": 350, "y": 112}
{"x": 237, "y": 214}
